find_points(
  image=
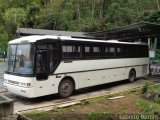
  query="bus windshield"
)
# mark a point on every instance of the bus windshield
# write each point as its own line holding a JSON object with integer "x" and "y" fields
{"x": 20, "y": 58}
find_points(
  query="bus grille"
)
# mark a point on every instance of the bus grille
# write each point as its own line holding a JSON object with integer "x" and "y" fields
{"x": 13, "y": 82}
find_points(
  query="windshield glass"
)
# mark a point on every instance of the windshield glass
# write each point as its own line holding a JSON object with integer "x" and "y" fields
{"x": 20, "y": 58}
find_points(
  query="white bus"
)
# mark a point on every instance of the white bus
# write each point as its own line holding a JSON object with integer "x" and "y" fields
{"x": 43, "y": 65}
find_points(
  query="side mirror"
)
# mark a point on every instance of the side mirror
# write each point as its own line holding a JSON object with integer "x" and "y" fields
{"x": 42, "y": 65}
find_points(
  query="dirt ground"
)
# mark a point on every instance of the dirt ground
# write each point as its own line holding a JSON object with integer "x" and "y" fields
{"x": 136, "y": 105}
{"x": 125, "y": 105}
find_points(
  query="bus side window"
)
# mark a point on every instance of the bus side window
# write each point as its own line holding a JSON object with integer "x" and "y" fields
{"x": 72, "y": 51}
{"x": 96, "y": 52}
{"x": 88, "y": 51}
{"x": 106, "y": 51}
{"x": 142, "y": 51}
{"x": 127, "y": 53}
{"x": 112, "y": 51}
{"x": 119, "y": 52}
{"x": 67, "y": 50}
{"x": 145, "y": 51}
{"x": 77, "y": 51}
{"x": 132, "y": 51}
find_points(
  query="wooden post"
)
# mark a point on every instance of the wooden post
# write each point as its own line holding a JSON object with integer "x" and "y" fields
{"x": 155, "y": 43}
{"x": 149, "y": 43}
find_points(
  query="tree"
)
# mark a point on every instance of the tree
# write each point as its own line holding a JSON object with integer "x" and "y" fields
{"x": 15, "y": 17}
{"x": 4, "y": 38}
{"x": 32, "y": 10}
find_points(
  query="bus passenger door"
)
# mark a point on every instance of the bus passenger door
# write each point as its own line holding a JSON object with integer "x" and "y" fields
{"x": 47, "y": 54}
{"x": 42, "y": 65}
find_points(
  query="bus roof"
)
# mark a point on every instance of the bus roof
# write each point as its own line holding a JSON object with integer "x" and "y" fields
{"x": 35, "y": 38}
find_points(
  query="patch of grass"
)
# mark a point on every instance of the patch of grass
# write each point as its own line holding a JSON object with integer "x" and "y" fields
{"x": 99, "y": 116}
{"x": 96, "y": 100}
{"x": 147, "y": 106}
{"x": 71, "y": 108}
{"x": 76, "y": 107}
{"x": 61, "y": 110}
{"x": 36, "y": 115}
{"x": 157, "y": 99}
{"x": 50, "y": 116}
{"x": 154, "y": 88}
{"x": 122, "y": 107}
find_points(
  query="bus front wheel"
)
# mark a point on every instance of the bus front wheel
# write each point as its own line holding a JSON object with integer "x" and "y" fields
{"x": 65, "y": 88}
{"x": 132, "y": 75}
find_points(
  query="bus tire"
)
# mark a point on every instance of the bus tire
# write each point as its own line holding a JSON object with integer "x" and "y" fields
{"x": 132, "y": 76}
{"x": 66, "y": 87}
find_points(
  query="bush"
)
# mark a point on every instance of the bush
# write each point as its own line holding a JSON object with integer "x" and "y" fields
{"x": 145, "y": 87}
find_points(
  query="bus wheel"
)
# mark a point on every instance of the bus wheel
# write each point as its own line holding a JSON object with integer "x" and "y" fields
{"x": 132, "y": 76}
{"x": 65, "y": 88}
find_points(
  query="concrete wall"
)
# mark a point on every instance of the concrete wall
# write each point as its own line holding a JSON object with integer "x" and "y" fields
{"x": 6, "y": 105}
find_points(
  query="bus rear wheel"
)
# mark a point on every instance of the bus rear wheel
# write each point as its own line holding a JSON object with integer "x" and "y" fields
{"x": 132, "y": 76}
{"x": 65, "y": 88}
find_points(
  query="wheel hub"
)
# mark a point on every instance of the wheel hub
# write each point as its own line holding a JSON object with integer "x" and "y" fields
{"x": 65, "y": 88}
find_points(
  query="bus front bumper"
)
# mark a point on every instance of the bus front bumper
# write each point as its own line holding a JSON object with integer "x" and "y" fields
{"x": 22, "y": 91}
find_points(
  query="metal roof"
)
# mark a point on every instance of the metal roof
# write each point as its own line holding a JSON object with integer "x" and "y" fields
{"x": 130, "y": 32}
{"x": 30, "y": 31}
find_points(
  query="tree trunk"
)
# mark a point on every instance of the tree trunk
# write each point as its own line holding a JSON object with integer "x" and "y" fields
{"x": 101, "y": 8}
{"x": 140, "y": 5}
{"x": 93, "y": 8}
{"x": 78, "y": 10}
{"x": 157, "y": 4}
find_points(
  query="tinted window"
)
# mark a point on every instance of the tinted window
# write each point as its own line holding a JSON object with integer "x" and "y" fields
{"x": 92, "y": 51}
{"x": 96, "y": 51}
{"x": 88, "y": 51}
{"x": 52, "y": 49}
{"x": 131, "y": 51}
{"x": 119, "y": 52}
{"x": 71, "y": 51}
{"x": 143, "y": 51}
{"x": 109, "y": 51}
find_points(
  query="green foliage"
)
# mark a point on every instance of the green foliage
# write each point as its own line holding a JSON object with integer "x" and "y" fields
{"x": 89, "y": 25}
{"x": 82, "y": 15}
{"x": 99, "y": 116}
{"x": 4, "y": 37}
{"x": 36, "y": 115}
{"x": 157, "y": 99}
{"x": 75, "y": 15}
{"x": 145, "y": 87}
{"x": 158, "y": 54}
{"x": 97, "y": 100}
{"x": 154, "y": 88}
{"x": 15, "y": 17}
{"x": 147, "y": 106}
